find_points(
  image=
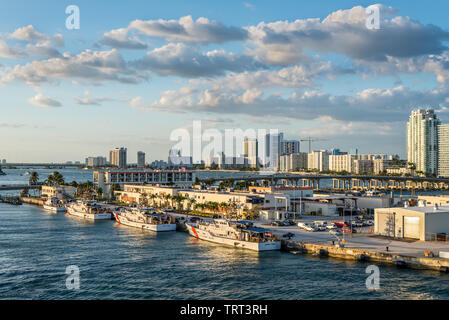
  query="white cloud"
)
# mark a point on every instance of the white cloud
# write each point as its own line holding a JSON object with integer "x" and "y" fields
{"x": 44, "y": 101}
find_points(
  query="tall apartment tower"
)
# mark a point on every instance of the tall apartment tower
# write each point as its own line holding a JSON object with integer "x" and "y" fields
{"x": 140, "y": 159}
{"x": 273, "y": 149}
{"x": 117, "y": 157}
{"x": 251, "y": 151}
{"x": 422, "y": 140}
{"x": 443, "y": 150}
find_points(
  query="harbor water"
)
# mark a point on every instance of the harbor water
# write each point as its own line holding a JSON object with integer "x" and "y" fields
{"x": 118, "y": 262}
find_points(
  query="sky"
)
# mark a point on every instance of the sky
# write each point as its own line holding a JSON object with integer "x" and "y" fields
{"x": 136, "y": 71}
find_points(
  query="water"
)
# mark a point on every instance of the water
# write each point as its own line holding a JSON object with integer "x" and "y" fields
{"x": 118, "y": 262}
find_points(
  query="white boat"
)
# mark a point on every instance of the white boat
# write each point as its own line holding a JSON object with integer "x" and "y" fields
{"x": 240, "y": 234}
{"x": 145, "y": 219}
{"x": 88, "y": 210}
{"x": 53, "y": 205}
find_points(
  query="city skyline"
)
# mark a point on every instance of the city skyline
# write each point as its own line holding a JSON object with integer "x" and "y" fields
{"x": 141, "y": 71}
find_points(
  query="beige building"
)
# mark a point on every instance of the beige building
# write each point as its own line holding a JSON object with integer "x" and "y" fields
{"x": 293, "y": 162}
{"x": 442, "y": 200}
{"x": 60, "y": 192}
{"x": 341, "y": 162}
{"x": 421, "y": 223}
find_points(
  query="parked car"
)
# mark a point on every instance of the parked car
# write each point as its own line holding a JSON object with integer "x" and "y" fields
{"x": 331, "y": 226}
{"x": 320, "y": 228}
{"x": 276, "y": 223}
{"x": 348, "y": 230}
{"x": 310, "y": 228}
{"x": 336, "y": 232}
{"x": 302, "y": 225}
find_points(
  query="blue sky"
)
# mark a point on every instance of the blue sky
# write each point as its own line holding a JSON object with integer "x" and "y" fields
{"x": 136, "y": 71}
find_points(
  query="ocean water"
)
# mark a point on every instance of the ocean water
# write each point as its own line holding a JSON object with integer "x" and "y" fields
{"x": 118, "y": 262}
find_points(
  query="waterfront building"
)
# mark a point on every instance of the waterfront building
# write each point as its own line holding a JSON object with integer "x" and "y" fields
{"x": 341, "y": 162}
{"x": 423, "y": 222}
{"x": 59, "y": 192}
{"x": 362, "y": 166}
{"x": 140, "y": 159}
{"x": 293, "y": 162}
{"x": 96, "y": 161}
{"x": 273, "y": 145}
{"x": 106, "y": 179}
{"x": 251, "y": 152}
{"x": 290, "y": 146}
{"x": 443, "y": 150}
{"x": 159, "y": 164}
{"x": 422, "y": 140}
{"x": 318, "y": 160}
{"x": 117, "y": 157}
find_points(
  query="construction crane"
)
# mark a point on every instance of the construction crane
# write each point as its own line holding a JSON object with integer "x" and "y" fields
{"x": 310, "y": 140}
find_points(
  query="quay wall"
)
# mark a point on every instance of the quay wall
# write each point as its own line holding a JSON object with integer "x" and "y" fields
{"x": 34, "y": 201}
{"x": 400, "y": 260}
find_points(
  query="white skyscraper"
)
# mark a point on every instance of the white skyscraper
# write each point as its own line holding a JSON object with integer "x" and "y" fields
{"x": 443, "y": 150}
{"x": 117, "y": 157}
{"x": 273, "y": 145}
{"x": 422, "y": 140}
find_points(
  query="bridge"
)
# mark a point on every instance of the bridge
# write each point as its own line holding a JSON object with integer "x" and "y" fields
{"x": 346, "y": 182}
{"x": 51, "y": 165}
{"x": 9, "y": 187}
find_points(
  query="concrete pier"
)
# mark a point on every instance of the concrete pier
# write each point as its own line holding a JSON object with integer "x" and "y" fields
{"x": 400, "y": 260}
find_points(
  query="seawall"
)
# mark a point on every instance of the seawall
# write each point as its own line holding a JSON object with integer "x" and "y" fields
{"x": 400, "y": 260}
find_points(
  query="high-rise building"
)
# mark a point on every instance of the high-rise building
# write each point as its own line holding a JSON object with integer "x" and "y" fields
{"x": 318, "y": 160}
{"x": 95, "y": 161}
{"x": 422, "y": 140}
{"x": 443, "y": 150}
{"x": 251, "y": 151}
{"x": 140, "y": 159}
{"x": 117, "y": 157}
{"x": 293, "y": 162}
{"x": 290, "y": 146}
{"x": 273, "y": 145}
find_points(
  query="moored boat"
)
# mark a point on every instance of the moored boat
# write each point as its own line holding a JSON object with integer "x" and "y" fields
{"x": 240, "y": 234}
{"x": 53, "y": 205}
{"x": 88, "y": 210}
{"x": 145, "y": 219}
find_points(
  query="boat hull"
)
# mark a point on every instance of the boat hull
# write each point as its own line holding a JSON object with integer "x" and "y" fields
{"x": 54, "y": 209}
{"x": 145, "y": 226}
{"x": 255, "y": 246}
{"x": 89, "y": 216}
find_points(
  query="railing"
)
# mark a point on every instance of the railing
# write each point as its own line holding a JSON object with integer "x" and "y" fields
{"x": 437, "y": 237}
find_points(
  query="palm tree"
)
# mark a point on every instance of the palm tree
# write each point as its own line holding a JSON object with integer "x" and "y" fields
{"x": 192, "y": 203}
{"x": 167, "y": 198}
{"x": 34, "y": 178}
{"x": 152, "y": 197}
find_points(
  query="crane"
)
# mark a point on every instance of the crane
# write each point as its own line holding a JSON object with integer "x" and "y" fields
{"x": 310, "y": 140}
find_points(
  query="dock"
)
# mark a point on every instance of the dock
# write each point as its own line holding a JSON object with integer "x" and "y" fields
{"x": 366, "y": 248}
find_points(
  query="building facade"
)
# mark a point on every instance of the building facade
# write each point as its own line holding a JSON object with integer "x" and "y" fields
{"x": 140, "y": 159}
{"x": 422, "y": 140}
{"x": 106, "y": 179}
{"x": 293, "y": 162}
{"x": 443, "y": 150}
{"x": 117, "y": 157}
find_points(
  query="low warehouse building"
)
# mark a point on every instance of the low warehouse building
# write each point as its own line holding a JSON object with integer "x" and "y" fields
{"x": 423, "y": 223}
